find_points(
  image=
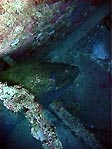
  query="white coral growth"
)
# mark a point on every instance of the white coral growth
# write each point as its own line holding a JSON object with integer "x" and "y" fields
{"x": 16, "y": 98}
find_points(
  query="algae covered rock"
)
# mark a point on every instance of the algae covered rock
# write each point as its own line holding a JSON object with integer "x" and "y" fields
{"x": 23, "y": 21}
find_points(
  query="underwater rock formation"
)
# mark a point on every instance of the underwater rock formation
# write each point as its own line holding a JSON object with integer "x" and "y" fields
{"x": 16, "y": 99}
{"x": 25, "y": 21}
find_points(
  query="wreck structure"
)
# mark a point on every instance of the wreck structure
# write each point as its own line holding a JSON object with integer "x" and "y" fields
{"x": 54, "y": 62}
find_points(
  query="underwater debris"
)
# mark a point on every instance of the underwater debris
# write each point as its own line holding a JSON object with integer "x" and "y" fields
{"x": 17, "y": 98}
{"x": 9, "y": 60}
{"x": 76, "y": 126}
{"x": 99, "y": 51}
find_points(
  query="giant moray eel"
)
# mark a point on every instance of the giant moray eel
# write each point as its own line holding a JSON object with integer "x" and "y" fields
{"x": 39, "y": 77}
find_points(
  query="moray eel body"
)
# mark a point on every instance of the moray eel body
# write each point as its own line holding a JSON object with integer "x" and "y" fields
{"x": 39, "y": 77}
